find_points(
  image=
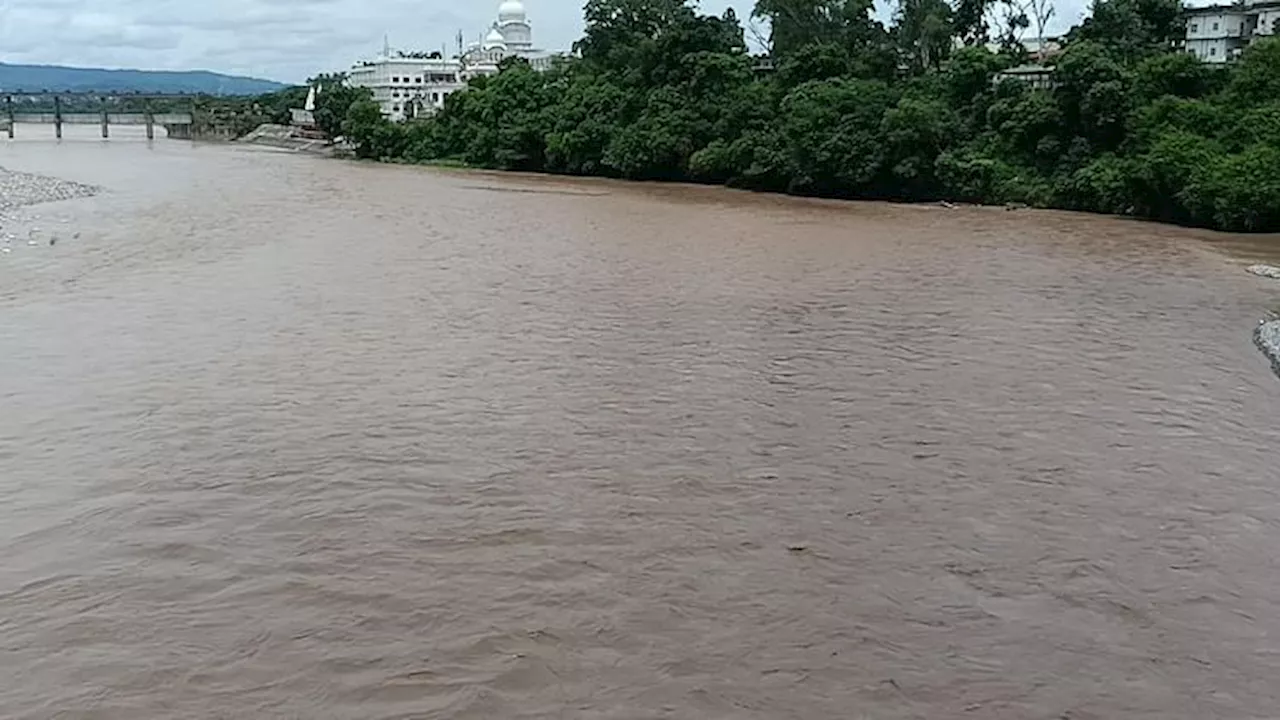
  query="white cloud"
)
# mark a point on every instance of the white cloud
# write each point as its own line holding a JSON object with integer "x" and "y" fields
{"x": 286, "y": 40}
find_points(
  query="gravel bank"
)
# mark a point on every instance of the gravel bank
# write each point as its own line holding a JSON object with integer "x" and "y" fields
{"x": 1267, "y": 336}
{"x": 19, "y": 189}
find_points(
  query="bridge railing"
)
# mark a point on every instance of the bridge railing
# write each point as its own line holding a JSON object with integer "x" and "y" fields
{"x": 20, "y": 106}
{"x": 96, "y": 118}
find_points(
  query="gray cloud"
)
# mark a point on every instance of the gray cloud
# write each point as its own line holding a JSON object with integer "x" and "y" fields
{"x": 287, "y": 40}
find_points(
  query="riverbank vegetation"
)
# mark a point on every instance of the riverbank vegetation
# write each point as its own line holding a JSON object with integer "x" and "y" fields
{"x": 848, "y": 107}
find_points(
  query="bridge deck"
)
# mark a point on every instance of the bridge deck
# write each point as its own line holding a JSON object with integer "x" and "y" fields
{"x": 96, "y": 118}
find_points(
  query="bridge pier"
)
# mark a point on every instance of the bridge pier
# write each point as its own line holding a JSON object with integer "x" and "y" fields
{"x": 105, "y": 120}
{"x": 57, "y": 117}
{"x": 151, "y": 123}
{"x": 8, "y": 110}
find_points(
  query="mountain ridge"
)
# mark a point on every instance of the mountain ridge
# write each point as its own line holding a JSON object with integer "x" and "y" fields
{"x": 16, "y": 78}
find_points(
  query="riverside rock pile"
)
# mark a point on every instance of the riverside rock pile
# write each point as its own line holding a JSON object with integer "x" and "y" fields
{"x": 19, "y": 189}
{"x": 1267, "y": 336}
{"x": 1267, "y": 271}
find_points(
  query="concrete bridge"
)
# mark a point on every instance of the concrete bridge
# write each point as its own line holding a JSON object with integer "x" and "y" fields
{"x": 177, "y": 125}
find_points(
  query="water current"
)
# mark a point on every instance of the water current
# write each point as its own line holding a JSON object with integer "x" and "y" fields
{"x": 283, "y": 437}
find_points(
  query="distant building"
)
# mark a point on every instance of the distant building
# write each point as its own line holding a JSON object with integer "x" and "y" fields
{"x": 510, "y": 36}
{"x": 411, "y": 84}
{"x": 405, "y": 85}
{"x": 1038, "y": 77}
{"x": 1038, "y": 71}
{"x": 1219, "y": 33}
{"x": 1038, "y": 51}
{"x": 1041, "y": 50}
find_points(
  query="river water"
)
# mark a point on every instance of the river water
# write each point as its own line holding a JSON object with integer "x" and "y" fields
{"x": 290, "y": 438}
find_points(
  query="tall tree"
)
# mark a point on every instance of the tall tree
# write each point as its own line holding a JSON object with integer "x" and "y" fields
{"x": 970, "y": 21}
{"x": 796, "y": 23}
{"x": 923, "y": 30}
{"x": 333, "y": 98}
{"x": 1010, "y": 21}
{"x": 1132, "y": 29}
{"x": 1042, "y": 12}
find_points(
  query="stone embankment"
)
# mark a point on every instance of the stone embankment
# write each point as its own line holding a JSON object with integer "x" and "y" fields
{"x": 283, "y": 137}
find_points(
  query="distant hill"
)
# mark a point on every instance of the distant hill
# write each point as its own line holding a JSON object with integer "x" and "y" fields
{"x": 32, "y": 78}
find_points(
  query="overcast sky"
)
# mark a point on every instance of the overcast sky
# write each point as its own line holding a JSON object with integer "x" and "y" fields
{"x": 287, "y": 40}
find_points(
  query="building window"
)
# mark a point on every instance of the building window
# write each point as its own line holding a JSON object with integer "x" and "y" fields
{"x": 395, "y": 107}
{"x": 1213, "y": 52}
{"x": 1215, "y": 27}
{"x": 418, "y": 80}
{"x": 1195, "y": 28}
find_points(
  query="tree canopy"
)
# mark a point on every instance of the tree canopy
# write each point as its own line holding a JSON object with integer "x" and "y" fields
{"x": 916, "y": 110}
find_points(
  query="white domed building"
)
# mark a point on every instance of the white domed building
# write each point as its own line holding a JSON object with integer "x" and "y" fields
{"x": 514, "y": 26}
{"x": 411, "y": 84}
{"x": 510, "y": 36}
{"x": 495, "y": 41}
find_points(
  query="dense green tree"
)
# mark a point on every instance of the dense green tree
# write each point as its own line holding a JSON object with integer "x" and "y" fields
{"x": 1128, "y": 125}
{"x": 832, "y": 128}
{"x": 587, "y": 117}
{"x": 365, "y": 124}
{"x": 969, "y": 22}
{"x": 1177, "y": 74}
{"x": 1256, "y": 78}
{"x": 915, "y": 133}
{"x": 1132, "y": 29}
{"x": 923, "y": 32}
{"x": 968, "y": 76}
{"x": 334, "y": 97}
{"x": 848, "y": 24}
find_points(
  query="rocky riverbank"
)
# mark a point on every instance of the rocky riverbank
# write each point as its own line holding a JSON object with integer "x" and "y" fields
{"x": 1267, "y": 337}
{"x": 1267, "y": 271}
{"x": 20, "y": 190}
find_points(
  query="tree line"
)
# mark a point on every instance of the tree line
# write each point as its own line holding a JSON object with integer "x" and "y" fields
{"x": 849, "y": 107}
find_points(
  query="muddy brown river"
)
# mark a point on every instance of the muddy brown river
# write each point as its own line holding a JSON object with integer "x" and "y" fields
{"x": 283, "y": 437}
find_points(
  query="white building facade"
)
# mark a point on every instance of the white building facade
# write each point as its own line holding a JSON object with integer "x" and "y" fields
{"x": 1219, "y": 33}
{"x": 406, "y": 85}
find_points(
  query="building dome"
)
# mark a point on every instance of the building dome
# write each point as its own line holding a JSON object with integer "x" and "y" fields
{"x": 511, "y": 11}
{"x": 494, "y": 40}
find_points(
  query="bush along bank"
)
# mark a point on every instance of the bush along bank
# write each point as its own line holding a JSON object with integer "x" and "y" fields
{"x": 848, "y": 107}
